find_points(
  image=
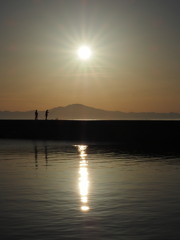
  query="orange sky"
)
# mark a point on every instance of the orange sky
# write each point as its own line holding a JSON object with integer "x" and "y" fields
{"x": 135, "y": 62}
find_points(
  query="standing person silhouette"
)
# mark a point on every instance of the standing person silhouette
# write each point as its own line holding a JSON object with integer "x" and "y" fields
{"x": 36, "y": 115}
{"x": 46, "y": 114}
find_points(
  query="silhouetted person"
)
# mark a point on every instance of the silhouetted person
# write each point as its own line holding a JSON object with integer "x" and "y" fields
{"x": 46, "y": 114}
{"x": 36, "y": 115}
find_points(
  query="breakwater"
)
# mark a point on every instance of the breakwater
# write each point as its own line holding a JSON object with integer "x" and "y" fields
{"x": 127, "y": 133}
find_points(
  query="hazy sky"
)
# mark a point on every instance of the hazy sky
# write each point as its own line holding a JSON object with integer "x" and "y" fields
{"x": 135, "y": 64}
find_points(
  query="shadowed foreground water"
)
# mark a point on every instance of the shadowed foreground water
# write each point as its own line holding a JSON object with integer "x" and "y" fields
{"x": 56, "y": 190}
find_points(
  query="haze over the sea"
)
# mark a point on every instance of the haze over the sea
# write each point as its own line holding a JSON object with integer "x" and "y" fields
{"x": 79, "y": 111}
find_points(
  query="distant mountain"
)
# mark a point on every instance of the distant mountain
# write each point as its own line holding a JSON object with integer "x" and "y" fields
{"x": 79, "y": 111}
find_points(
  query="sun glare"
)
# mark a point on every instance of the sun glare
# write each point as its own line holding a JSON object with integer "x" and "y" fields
{"x": 84, "y": 52}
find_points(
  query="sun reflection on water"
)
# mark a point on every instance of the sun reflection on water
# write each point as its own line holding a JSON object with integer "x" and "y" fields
{"x": 83, "y": 177}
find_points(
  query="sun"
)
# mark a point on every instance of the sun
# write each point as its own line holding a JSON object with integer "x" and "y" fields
{"x": 84, "y": 52}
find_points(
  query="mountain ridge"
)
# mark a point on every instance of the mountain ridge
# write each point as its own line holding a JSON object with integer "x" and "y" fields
{"x": 80, "y": 111}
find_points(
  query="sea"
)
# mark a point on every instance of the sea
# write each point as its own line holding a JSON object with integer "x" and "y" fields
{"x": 68, "y": 190}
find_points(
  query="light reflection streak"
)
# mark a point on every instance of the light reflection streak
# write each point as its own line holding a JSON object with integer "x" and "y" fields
{"x": 83, "y": 177}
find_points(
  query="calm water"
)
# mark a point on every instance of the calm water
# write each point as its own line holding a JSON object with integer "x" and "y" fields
{"x": 55, "y": 190}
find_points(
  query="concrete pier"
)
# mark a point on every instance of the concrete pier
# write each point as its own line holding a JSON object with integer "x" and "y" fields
{"x": 126, "y": 133}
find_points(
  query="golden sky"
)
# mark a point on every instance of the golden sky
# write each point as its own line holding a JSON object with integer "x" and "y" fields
{"x": 134, "y": 66}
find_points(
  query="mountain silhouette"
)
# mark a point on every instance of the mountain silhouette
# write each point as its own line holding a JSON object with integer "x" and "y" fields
{"x": 79, "y": 111}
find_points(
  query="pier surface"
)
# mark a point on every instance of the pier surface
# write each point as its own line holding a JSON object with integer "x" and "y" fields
{"x": 130, "y": 133}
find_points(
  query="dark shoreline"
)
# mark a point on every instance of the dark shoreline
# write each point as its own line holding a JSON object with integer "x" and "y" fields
{"x": 131, "y": 133}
